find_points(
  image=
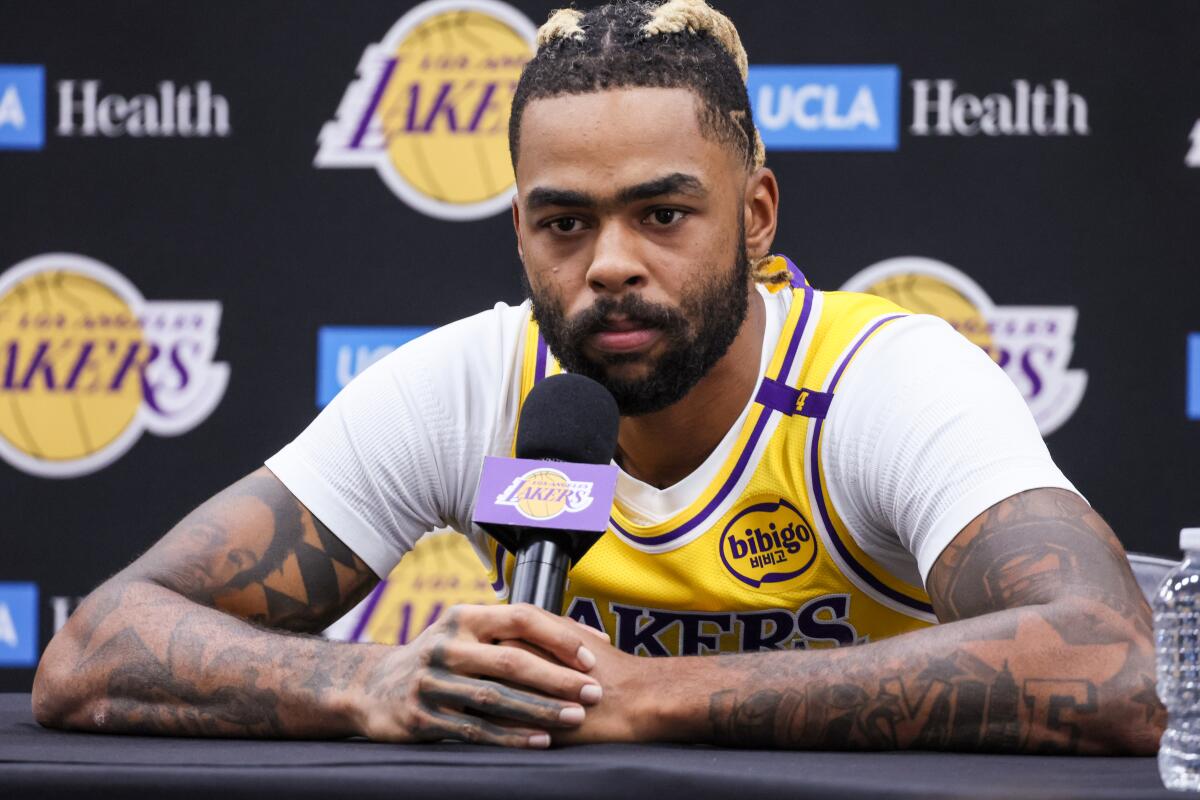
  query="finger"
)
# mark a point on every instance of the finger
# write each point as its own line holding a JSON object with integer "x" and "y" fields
{"x": 519, "y": 665}
{"x": 442, "y": 723}
{"x": 498, "y": 700}
{"x": 558, "y": 636}
{"x": 602, "y": 635}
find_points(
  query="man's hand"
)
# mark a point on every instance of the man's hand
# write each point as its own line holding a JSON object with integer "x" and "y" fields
{"x": 455, "y": 681}
{"x": 1045, "y": 648}
{"x": 179, "y": 643}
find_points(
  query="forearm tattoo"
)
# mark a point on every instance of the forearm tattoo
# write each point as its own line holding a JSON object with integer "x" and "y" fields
{"x": 1050, "y": 651}
{"x": 152, "y": 662}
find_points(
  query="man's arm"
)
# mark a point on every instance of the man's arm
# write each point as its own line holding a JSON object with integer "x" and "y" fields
{"x": 179, "y": 643}
{"x": 1046, "y": 647}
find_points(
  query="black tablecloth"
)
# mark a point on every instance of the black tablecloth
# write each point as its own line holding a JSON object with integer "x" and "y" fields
{"x": 35, "y": 762}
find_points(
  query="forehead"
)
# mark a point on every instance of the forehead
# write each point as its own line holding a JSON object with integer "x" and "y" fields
{"x": 615, "y": 137}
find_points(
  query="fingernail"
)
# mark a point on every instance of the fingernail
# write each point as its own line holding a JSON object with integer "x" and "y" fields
{"x": 586, "y": 657}
{"x": 591, "y": 693}
{"x": 572, "y": 715}
{"x": 540, "y": 740}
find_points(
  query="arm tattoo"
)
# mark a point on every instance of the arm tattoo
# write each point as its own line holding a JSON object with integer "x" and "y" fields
{"x": 178, "y": 642}
{"x": 299, "y": 576}
{"x": 1048, "y": 650}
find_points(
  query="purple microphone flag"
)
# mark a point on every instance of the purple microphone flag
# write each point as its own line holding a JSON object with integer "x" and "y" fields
{"x": 561, "y": 495}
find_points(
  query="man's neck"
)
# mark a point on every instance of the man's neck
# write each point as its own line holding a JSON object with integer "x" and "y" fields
{"x": 665, "y": 447}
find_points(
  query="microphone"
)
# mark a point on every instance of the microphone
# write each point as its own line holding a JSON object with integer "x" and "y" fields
{"x": 550, "y": 504}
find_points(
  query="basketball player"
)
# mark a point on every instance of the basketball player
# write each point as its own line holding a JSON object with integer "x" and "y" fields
{"x": 799, "y": 470}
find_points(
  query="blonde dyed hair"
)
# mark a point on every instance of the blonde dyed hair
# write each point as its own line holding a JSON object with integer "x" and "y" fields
{"x": 666, "y": 20}
{"x": 674, "y": 16}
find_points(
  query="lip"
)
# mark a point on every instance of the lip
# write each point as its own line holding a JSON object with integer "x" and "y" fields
{"x": 624, "y": 340}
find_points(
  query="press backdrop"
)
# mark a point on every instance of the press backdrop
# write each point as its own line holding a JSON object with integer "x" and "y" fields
{"x": 213, "y": 214}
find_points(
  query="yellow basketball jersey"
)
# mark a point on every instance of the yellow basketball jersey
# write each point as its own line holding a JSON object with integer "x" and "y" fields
{"x": 760, "y": 560}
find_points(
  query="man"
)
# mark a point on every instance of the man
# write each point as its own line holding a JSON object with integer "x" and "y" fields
{"x": 799, "y": 470}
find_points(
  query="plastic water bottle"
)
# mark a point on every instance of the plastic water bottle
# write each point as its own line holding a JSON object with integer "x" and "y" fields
{"x": 1177, "y": 641}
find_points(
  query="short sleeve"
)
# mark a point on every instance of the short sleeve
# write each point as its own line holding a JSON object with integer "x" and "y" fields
{"x": 925, "y": 433}
{"x": 398, "y": 451}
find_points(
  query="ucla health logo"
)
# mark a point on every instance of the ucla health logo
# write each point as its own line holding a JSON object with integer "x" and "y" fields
{"x": 18, "y": 624}
{"x": 544, "y": 493}
{"x": 768, "y": 544}
{"x": 87, "y": 365}
{"x": 826, "y": 107}
{"x": 344, "y": 352}
{"x": 1033, "y": 344}
{"x": 1193, "y": 376}
{"x": 22, "y": 107}
{"x": 429, "y": 110}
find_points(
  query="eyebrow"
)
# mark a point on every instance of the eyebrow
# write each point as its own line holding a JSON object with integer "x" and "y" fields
{"x": 675, "y": 183}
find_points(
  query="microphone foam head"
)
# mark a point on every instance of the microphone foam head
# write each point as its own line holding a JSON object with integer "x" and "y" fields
{"x": 568, "y": 418}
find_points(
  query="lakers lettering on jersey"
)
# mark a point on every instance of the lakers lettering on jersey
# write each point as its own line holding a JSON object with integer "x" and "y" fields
{"x": 761, "y": 559}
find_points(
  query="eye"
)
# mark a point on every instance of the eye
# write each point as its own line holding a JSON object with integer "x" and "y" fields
{"x": 665, "y": 216}
{"x": 564, "y": 224}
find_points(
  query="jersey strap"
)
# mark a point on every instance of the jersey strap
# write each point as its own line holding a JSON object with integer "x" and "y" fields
{"x": 855, "y": 562}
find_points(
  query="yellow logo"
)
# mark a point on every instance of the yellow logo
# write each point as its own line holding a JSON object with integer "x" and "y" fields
{"x": 440, "y": 571}
{"x": 429, "y": 110}
{"x": 87, "y": 365}
{"x": 768, "y": 544}
{"x": 1033, "y": 344}
{"x": 544, "y": 493}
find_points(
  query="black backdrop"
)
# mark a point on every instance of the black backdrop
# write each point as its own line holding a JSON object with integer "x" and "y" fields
{"x": 1104, "y": 222}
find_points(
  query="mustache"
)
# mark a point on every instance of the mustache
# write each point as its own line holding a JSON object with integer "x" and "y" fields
{"x": 632, "y": 307}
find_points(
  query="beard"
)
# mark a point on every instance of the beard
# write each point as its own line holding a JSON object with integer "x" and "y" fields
{"x": 696, "y": 334}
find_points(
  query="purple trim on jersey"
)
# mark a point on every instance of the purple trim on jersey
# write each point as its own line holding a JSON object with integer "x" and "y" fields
{"x": 384, "y": 80}
{"x": 743, "y": 458}
{"x": 365, "y": 617}
{"x": 858, "y": 568}
{"x": 498, "y": 584}
{"x": 794, "y": 344}
{"x": 789, "y": 400}
{"x": 539, "y": 365}
{"x": 798, "y": 280}
{"x": 777, "y": 396}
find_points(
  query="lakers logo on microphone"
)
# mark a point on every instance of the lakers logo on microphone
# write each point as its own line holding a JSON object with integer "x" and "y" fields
{"x": 429, "y": 111}
{"x": 87, "y": 365}
{"x": 545, "y": 493}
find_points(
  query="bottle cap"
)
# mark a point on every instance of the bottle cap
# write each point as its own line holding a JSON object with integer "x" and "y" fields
{"x": 1189, "y": 539}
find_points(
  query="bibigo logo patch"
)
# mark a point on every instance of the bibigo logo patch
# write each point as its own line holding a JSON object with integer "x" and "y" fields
{"x": 768, "y": 544}
{"x": 87, "y": 365}
{"x": 1033, "y": 344}
{"x": 544, "y": 493}
{"x": 429, "y": 110}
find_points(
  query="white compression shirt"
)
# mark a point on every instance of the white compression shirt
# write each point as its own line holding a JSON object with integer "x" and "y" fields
{"x": 925, "y": 433}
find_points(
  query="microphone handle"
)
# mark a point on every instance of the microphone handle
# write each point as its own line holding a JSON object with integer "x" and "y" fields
{"x": 540, "y": 574}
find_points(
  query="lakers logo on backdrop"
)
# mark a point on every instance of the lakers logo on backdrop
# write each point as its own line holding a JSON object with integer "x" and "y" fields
{"x": 429, "y": 110}
{"x": 768, "y": 545}
{"x": 440, "y": 571}
{"x": 545, "y": 493}
{"x": 1033, "y": 344}
{"x": 87, "y": 365}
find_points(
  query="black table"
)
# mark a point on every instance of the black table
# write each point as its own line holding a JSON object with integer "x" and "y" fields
{"x": 35, "y": 762}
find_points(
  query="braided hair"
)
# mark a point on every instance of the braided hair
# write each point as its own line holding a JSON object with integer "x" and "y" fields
{"x": 639, "y": 43}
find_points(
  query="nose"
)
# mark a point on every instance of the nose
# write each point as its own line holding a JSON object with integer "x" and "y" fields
{"x": 616, "y": 266}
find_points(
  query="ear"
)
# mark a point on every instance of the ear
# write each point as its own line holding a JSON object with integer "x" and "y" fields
{"x": 516, "y": 215}
{"x": 761, "y": 212}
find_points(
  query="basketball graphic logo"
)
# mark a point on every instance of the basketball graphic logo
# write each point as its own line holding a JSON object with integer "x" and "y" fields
{"x": 1033, "y": 344}
{"x": 442, "y": 570}
{"x": 544, "y": 493}
{"x": 429, "y": 110}
{"x": 87, "y": 365}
